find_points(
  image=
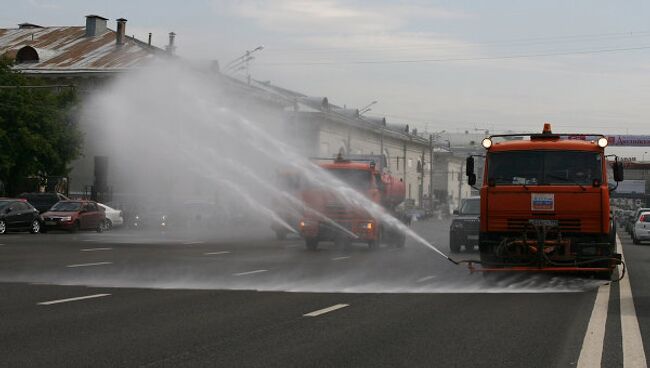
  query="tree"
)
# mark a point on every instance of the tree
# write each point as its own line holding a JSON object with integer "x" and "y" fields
{"x": 38, "y": 134}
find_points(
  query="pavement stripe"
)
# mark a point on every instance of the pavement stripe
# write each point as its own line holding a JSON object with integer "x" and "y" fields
{"x": 89, "y": 264}
{"x": 194, "y": 242}
{"x": 216, "y": 253}
{"x": 426, "y": 278}
{"x": 95, "y": 249}
{"x": 325, "y": 310}
{"x": 72, "y": 299}
{"x": 592, "y": 346}
{"x": 633, "y": 352}
{"x": 248, "y": 273}
{"x": 340, "y": 258}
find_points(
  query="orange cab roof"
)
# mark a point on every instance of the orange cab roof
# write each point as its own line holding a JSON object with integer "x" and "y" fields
{"x": 346, "y": 165}
{"x": 545, "y": 144}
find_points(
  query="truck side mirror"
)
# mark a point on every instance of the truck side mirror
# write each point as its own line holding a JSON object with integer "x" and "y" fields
{"x": 471, "y": 179}
{"x": 469, "y": 166}
{"x": 618, "y": 171}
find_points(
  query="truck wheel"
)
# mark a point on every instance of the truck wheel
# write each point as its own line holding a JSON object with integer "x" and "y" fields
{"x": 400, "y": 241}
{"x": 280, "y": 235}
{"x": 454, "y": 247}
{"x": 311, "y": 243}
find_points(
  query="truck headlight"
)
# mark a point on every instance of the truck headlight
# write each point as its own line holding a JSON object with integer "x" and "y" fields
{"x": 457, "y": 225}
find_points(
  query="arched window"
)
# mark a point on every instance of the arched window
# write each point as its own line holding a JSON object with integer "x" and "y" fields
{"x": 27, "y": 54}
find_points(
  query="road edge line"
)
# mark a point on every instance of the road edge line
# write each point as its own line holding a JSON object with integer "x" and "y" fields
{"x": 633, "y": 352}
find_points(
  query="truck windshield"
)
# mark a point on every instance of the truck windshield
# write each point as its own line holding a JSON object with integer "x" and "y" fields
{"x": 471, "y": 207}
{"x": 357, "y": 179}
{"x": 544, "y": 168}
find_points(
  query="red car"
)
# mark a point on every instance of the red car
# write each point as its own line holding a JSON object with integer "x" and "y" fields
{"x": 74, "y": 216}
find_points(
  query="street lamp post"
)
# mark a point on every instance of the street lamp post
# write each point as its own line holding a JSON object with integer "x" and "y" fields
{"x": 243, "y": 62}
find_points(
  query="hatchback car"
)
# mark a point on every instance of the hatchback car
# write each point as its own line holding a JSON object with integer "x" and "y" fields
{"x": 641, "y": 228}
{"x": 18, "y": 215}
{"x": 74, "y": 216}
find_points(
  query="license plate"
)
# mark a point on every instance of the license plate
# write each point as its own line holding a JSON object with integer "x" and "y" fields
{"x": 50, "y": 222}
{"x": 472, "y": 237}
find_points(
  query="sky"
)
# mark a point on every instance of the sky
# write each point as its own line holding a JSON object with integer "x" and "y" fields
{"x": 457, "y": 65}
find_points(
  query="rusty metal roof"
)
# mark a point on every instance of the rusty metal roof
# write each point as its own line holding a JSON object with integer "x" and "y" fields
{"x": 69, "y": 50}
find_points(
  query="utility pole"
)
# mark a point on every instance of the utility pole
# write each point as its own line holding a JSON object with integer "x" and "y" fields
{"x": 431, "y": 196}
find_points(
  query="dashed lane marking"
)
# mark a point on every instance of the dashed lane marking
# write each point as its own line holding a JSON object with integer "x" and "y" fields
{"x": 89, "y": 264}
{"x": 59, "y": 301}
{"x": 426, "y": 278}
{"x": 248, "y": 273}
{"x": 633, "y": 352}
{"x": 216, "y": 253}
{"x": 95, "y": 249}
{"x": 194, "y": 242}
{"x": 340, "y": 258}
{"x": 325, "y": 310}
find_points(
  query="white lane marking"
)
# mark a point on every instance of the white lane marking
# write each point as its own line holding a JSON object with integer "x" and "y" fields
{"x": 248, "y": 273}
{"x": 72, "y": 299}
{"x": 633, "y": 352}
{"x": 325, "y": 310}
{"x": 95, "y": 249}
{"x": 216, "y": 253}
{"x": 340, "y": 258}
{"x": 89, "y": 264}
{"x": 426, "y": 278}
{"x": 92, "y": 240}
{"x": 194, "y": 242}
{"x": 592, "y": 346}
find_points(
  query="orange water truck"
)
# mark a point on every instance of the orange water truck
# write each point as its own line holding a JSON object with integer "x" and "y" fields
{"x": 545, "y": 204}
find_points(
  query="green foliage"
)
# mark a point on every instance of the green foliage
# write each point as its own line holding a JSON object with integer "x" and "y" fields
{"x": 38, "y": 135}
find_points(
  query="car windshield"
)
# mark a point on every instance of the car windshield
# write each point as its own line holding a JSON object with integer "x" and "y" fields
{"x": 66, "y": 207}
{"x": 471, "y": 207}
{"x": 544, "y": 168}
{"x": 357, "y": 179}
{"x": 4, "y": 204}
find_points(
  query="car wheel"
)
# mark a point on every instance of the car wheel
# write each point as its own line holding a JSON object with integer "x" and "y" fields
{"x": 36, "y": 227}
{"x": 108, "y": 225}
{"x": 454, "y": 247}
{"x": 3, "y": 227}
{"x": 100, "y": 227}
{"x": 311, "y": 243}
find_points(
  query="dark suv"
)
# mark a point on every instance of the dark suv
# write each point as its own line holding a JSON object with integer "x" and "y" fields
{"x": 465, "y": 225}
{"x": 43, "y": 201}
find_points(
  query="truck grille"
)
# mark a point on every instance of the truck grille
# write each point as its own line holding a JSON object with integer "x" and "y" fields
{"x": 566, "y": 225}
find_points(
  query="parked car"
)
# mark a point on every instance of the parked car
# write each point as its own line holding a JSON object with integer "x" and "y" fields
{"x": 113, "y": 216}
{"x": 465, "y": 225}
{"x": 18, "y": 215}
{"x": 641, "y": 228}
{"x": 43, "y": 201}
{"x": 74, "y": 216}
